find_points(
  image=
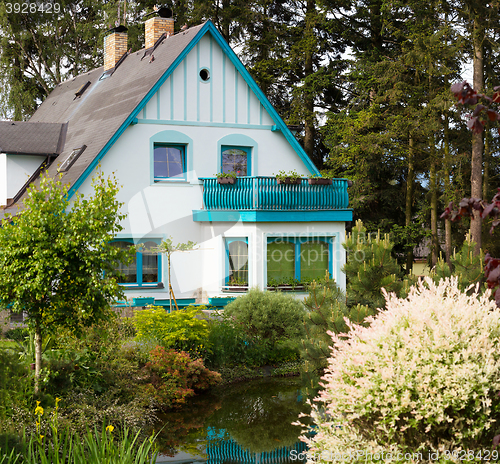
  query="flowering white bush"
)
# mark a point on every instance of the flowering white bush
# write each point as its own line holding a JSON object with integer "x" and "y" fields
{"x": 423, "y": 376}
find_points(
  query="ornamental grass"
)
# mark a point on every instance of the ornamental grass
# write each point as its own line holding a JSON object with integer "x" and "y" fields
{"x": 422, "y": 377}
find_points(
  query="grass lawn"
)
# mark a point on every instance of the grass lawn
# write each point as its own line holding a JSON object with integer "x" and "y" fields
{"x": 7, "y": 343}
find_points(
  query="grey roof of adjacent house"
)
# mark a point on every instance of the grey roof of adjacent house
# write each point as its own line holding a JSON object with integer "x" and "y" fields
{"x": 32, "y": 138}
{"x": 94, "y": 117}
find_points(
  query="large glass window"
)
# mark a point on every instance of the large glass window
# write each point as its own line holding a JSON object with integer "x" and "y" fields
{"x": 169, "y": 162}
{"x": 144, "y": 269}
{"x": 236, "y": 159}
{"x": 237, "y": 261}
{"x": 294, "y": 259}
{"x": 280, "y": 262}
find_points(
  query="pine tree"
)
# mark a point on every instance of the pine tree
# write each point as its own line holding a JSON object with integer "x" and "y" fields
{"x": 370, "y": 267}
{"x": 466, "y": 265}
{"x": 327, "y": 312}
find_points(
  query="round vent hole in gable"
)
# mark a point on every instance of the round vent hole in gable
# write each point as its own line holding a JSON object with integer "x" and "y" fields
{"x": 204, "y": 75}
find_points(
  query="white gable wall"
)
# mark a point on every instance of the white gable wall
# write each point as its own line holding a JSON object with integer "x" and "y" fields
{"x": 224, "y": 99}
{"x": 15, "y": 170}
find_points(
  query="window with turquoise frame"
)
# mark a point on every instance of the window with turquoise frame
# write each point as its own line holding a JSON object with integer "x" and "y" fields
{"x": 292, "y": 259}
{"x": 145, "y": 268}
{"x": 236, "y": 159}
{"x": 169, "y": 162}
{"x": 236, "y": 261}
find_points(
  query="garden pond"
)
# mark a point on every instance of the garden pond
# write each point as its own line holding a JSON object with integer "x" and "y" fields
{"x": 248, "y": 422}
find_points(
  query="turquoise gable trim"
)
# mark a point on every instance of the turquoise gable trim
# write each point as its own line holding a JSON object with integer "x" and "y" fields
{"x": 272, "y": 216}
{"x": 207, "y": 27}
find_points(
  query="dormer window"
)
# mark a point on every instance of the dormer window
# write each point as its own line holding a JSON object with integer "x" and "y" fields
{"x": 71, "y": 159}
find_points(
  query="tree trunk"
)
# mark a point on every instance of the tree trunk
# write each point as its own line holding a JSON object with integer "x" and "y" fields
{"x": 447, "y": 188}
{"x": 38, "y": 356}
{"x": 434, "y": 206}
{"x": 309, "y": 126}
{"x": 409, "y": 201}
{"x": 487, "y": 156}
{"x": 477, "y": 139}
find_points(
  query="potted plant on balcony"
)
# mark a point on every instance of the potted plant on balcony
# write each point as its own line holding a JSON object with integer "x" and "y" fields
{"x": 226, "y": 177}
{"x": 324, "y": 179}
{"x": 291, "y": 177}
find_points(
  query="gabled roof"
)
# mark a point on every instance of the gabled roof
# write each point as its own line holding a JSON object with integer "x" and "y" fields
{"x": 107, "y": 106}
{"x": 31, "y": 138}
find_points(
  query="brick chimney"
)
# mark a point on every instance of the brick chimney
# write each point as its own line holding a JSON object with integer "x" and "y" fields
{"x": 155, "y": 27}
{"x": 115, "y": 46}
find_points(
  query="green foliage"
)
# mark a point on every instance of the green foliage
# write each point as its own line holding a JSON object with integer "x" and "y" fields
{"x": 468, "y": 268}
{"x": 55, "y": 445}
{"x": 57, "y": 263}
{"x": 174, "y": 376}
{"x": 53, "y": 254}
{"x": 268, "y": 316}
{"x": 326, "y": 313}
{"x": 229, "y": 344}
{"x": 17, "y": 333}
{"x": 183, "y": 329}
{"x": 15, "y": 383}
{"x": 423, "y": 376}
{"x": 292, "y": 175}
{"x": 369, "y": 268}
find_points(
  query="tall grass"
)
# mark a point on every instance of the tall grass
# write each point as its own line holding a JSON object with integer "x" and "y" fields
{"x": 96, "y": 447}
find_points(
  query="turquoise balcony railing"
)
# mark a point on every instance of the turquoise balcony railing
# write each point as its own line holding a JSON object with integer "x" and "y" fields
{"x": 265, "y": 194}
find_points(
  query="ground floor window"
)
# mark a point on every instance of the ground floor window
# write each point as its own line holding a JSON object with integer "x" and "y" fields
{"x": 291, "y": 260}
{"x": 236, "y": 261}
{"x": 145, "y": 268}
{"x": 17, "y": 317}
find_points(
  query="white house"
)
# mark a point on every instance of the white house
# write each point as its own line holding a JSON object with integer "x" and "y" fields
{"x": 165, "y": 120}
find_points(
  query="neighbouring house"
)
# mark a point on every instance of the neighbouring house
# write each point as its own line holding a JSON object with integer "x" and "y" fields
{"x": 166, "y": 120}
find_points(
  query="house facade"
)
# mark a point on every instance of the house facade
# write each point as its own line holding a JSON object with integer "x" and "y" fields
{"x": 165, "y": 121}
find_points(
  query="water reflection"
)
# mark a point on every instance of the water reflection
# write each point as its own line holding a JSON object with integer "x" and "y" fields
{"x": 248, "y": 422}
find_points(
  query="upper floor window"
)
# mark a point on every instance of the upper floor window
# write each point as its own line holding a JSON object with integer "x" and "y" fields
{"x": 145, "y": 268}
{"x": 169, "y": 162}
{"x": 236, "y": 159}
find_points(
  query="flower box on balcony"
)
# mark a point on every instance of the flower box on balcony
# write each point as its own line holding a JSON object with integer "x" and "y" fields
{"x": 319, "y": 181}
{"x": 290, "y": 180}
{"x": 226, "y": 180}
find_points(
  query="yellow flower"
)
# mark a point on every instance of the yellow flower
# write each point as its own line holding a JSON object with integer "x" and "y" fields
{"x": 41, "y": 436}
{"x": 38, "y": 409}
{"x": 109, "y": 428}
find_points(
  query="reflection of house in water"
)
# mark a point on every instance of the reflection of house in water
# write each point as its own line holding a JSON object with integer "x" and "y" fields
{"x": 229, "y": 452}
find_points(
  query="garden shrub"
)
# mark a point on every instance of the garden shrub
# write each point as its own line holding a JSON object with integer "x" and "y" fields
{"x": 268, "y": 316}
{"x": 326, "y": 311}
{"x": 17, "y": 333}
{"x": 182, "y": 330}
{"x": 424, "y": 375}
{"x": 229, "y": 343}
{"x": 173, "y": 376}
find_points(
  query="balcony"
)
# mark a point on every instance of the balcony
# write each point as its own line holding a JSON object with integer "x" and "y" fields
{"x": 257, "y": 199}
